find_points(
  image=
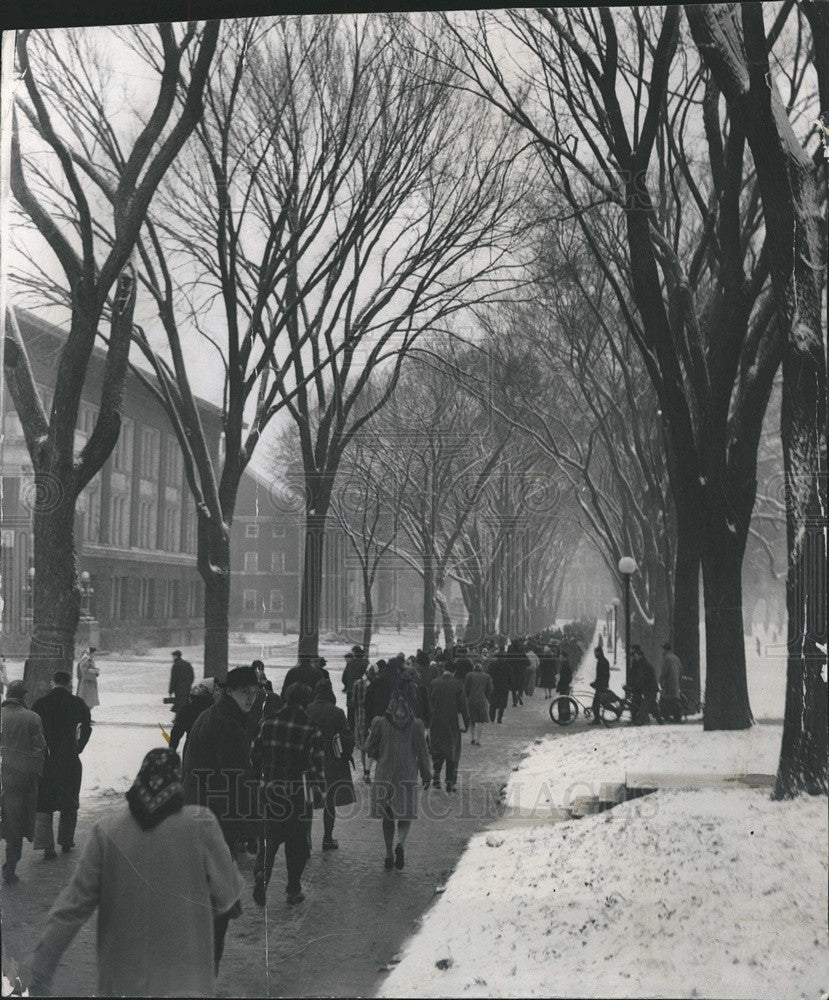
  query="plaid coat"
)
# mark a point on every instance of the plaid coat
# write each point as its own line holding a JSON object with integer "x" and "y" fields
{"x": 358, "y": 693}
{"x": 287, "y": 749}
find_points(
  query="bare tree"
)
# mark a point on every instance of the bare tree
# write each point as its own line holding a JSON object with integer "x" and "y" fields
{"x": 735, "y": 45}
{"x": 419, "y": 219}
{"x": 612, "y": 101}
{"x": 57, "y": 202}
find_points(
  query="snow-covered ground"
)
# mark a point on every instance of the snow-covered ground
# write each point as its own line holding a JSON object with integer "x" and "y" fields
{"x": 710, "y": 893}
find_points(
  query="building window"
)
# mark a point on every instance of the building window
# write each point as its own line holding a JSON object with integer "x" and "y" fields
{"x": 150, "y": 453}
{"x": 278, "y": 531}
{"x": 146, "y": 598}
{"x": 249, "y": 601}
{"x": 115, "y": 598}
{"x": 173, "y": 464}
{"x": 119, "y": 519}
{"x": 251, "y": 531}
{"x": 276, "y": 602}
{"x": 278, "y": 562}
{"x": 147, "y": 524}
{"x": 251, "y": 562}
{"x": 191, "y": 532}
{"x": 173, "y": 599}
{"x": 12, "y": 428}
{"x": 122, "y": 453}
{"x": 172, "y": 528}
{"x": 92, "y": 514}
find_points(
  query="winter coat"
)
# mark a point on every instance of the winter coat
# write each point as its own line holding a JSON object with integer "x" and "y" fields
{"x": 546, "y": 670}
{"x": 185, "y": 719}
{"x": 531, "y": 672}
{"x": 88, "y": 681}
{"x": 565, "y": 675}
{"x": 267, "y": 704}
{"x": 380, "y": 691}
{"x": 671, "y": 675}
{"x": 478, "y": 687}
{"x": 67, "y": 726}
{"x": 157, "y": 892}
{"x": 400, "y": 754}
{"x": 500, "y": 674}
{"x": 218, "y": 745}
{"x": 354, "y": 670}
{"x": 361, "y": 724}
{"x": 448, "y": 700}
{"x": 330, "y": 721}
{"x": 306, "y": 674}
{"x": 518, "y": 663}
{"x": 602, "y": 681}
{"x": 23, "y": 755}
{"x": 181, "y": 680}
{"x": 642, "y": 677}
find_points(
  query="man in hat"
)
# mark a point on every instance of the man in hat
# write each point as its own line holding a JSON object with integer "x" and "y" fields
{"x": 181, "y": 680}
{"x": 67, "y": 726}
{"x": 23, "y": 749}
{"x": 217, "y": 757}
{"x": 289, "y": 758}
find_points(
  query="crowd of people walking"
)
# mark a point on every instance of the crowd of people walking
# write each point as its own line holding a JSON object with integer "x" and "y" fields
{"x": 255, "y": 766}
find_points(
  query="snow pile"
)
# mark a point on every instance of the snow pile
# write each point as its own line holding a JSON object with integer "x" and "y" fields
{"x": 565, "y": 766}
{"x": 685, "y": 894}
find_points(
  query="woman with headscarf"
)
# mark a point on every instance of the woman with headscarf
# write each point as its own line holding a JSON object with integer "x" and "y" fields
{"x": 397, "y": 742}
{"x": 338, "y": 746}
{"x": 361, "y": 722}
{"x": 162, "y": 879}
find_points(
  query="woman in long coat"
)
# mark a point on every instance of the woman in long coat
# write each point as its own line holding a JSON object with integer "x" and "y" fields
{"x": 361, "y": 721}
{"x": 478, "y": 687}
{"x": 163, "y": 882}
{"x": 448, "y": 701}
{"x": 499, "y": 671}
{"x": 339, "y": 788}
{"x": 88, "y": 679}
{"x": 397, "y": 742}
{"x": 546, "y": 671}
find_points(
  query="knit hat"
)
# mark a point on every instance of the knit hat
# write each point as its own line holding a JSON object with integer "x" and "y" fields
{"x": 157, "y": 791}
{"x": 298, "y": 694}
{"x": 324, "y": 692}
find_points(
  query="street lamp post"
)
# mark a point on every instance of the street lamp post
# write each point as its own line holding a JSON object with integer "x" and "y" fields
{"x": 615, "y": 605}
{"x": 30, "y": 592}
{"x": 86, "y": 595}
{"x": 627, "y": 567}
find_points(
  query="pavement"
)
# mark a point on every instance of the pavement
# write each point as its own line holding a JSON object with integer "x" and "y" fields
{"x": 345, "y": 937}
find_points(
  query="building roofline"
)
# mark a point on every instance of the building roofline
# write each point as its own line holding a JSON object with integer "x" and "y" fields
{"x": 59, "y": 334}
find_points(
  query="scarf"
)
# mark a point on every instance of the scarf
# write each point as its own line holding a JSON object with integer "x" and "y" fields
{"x": 157, "y": 791}
{"x": 399, "y": 713}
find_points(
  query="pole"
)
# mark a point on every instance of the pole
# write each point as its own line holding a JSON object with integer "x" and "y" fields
{"x": 615, "y": 630}
{"x": 627, "y": 627}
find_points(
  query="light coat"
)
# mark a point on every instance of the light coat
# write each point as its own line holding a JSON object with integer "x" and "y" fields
{"x": 400, "y": 754}
{"x": 157, "y": 892}
{"x": 478, "y": 687}
{"x": 24, "y": 752}
{"x": 88, "y": 681}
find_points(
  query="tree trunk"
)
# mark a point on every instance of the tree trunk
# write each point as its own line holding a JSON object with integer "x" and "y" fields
{"x": 310, "y": 603}
{"x": 214, "y": 567}
{"x": 368, "y": 621}
{"x": 428, "y": 603}
{"x": 446, "y": 620}
{"x": 685, "y": 638}
{"x": 726, "y": 692}
{"x": 56, "y": 597}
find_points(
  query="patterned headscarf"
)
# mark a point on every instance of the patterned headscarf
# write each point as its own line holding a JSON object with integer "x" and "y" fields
{"x": 399, "y": 713}
{"x": 157, "y": 791}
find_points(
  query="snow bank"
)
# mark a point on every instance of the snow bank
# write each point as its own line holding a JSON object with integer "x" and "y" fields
{"x": 685, "y": 894}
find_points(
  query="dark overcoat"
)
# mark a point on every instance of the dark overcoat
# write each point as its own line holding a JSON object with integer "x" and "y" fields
{"x": 448, "y": 701}
{"x": 67, "y": 726}
{"x": 331, "y": 721}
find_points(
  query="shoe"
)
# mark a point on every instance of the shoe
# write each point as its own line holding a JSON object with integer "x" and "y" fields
{"x": 49, "y": 854}
{"x": 367, "y": 777}
{"x": 435, "y": 784}
{"x": 500, "y": 721}
{"x": 10, "y": 878}
{"x": 252, "y": 847}
{"x": 295, "y": 897}
{"x": 449, "y": 788}
{"x": 398, "y": 856}
{"x": 595, "y": 722}
{"x": 389, "y": 862}
{"x": 330, "y": 845}
{"x": 66, "y": 848}
{"x": 259, "y": 891}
